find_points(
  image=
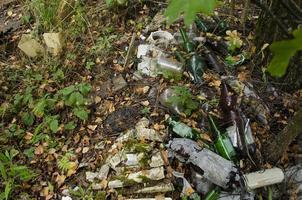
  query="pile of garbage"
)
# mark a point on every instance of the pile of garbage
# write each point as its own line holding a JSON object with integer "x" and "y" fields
{"x": 207, "y": 163}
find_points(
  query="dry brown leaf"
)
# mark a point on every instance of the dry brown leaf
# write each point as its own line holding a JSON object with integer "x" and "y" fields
{"x": 39, "y": 150}
{"x": 28, "y": 136}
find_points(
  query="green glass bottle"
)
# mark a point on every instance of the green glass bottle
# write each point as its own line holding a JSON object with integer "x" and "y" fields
{"x": 222, "y": 142}
{"x": 201, "y": 25}
{"x": 213, "y": 194}
{"x": 183, "y": 130}
{"x": 195, "y": 63}
{"x": 189, "y": 46}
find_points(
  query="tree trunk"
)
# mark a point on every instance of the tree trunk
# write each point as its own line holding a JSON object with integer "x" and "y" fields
{"x": 289, "y": 16}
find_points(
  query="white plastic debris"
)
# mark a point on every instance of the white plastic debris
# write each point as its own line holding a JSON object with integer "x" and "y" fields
{"x": 54, "y": 42}
{"x": 187, "y": 189}
{"x": 216, "y": 169}
{"x": 160, "y": 37}
{"x": 30, "y": 46}
{"x": 263, "y": 178}
{"x": 160, "y": 188}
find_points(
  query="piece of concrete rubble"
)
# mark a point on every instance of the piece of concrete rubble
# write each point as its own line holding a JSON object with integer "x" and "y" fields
{"x": 54, "y": 42}
{"x": 132, "y": 159}
{"x": 116, "y": 159}
{"x": 156, "y": 160}
{"x": 115, "y": 184}
{"x": 145, "y": 133}
{"x": 138, "y": 177}
{"x": 30, "y": 46}
{"x": 118, "y": 83}
{"x": 90, "y": 176}
{"x": 103, "y": 173}
{"x": 236, "y": 195}
{"x": 160, "y": 188}
{"x": 152, "y": 174}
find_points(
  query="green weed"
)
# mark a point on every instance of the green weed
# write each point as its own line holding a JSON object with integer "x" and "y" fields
{"x": 12, "y": 174}
{"x": 184, "y": 98}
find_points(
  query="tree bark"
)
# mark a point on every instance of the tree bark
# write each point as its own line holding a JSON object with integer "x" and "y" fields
{"x": 275, "y": 149}
{"x": 289, "y": 13}
{"x": 268, "y": 31}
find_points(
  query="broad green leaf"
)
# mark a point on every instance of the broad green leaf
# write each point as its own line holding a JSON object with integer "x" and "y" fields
{"x": 28, "y": 118}
{"x": 84, "y": 88}
{"x": 75, "y": 99}
{"x": 67, "y": 90}
{"x": 54, "y": 125}
{"x": 69, "y": 126}
{"x": 81, "y": 113}
{"x": 283, "y": 51}
{"x": 29, "y": 152}
{"x": 189, "y": 8}
{"x": 40, "y": 108}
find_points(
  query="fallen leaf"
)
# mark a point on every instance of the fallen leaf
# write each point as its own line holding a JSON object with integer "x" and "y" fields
{"x": 39, "y": 150}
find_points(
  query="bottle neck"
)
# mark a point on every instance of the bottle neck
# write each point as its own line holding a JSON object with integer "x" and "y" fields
{"x": 214, "y": 128}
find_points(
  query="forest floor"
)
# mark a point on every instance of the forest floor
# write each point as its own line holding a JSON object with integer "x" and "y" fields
{"x": 76, "y": 124}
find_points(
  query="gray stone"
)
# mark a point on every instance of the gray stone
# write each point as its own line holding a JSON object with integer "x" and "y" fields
{"x": 118, "y": 83}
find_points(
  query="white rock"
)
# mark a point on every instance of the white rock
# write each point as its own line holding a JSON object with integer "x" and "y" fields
{"x": 30, "y": 46}
{"x": 132, "y": 159}
{"x": 54, "y": 42}
{"x": 148, "y": 134}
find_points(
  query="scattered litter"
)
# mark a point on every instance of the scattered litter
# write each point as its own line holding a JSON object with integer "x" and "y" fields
{"x": 160, "y": 188}
{"x": 164, "y": 99}
{"x": 263, "y": 178}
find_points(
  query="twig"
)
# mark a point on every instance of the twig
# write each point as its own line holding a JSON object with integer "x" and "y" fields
{"x": 129, "y": 50}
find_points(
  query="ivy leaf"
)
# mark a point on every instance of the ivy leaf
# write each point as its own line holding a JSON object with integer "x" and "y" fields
{"x": 189, "y": 8}
{"x": 54, "y": 125}
{"x": 84, "y": 88}
{"x": 283, "y": 51}
{"x": 81, "y": 113}
{"x": 69, "y": 126}
{"x": 75, "y": 98}
{"x": 67, "y": 90}
{"x": 40, "y": 108}
{"x": 28, "y": 119}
